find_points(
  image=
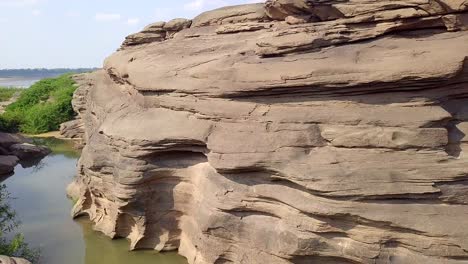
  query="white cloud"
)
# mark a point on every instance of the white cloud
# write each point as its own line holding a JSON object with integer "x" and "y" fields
{"x": 36, "y": 12}
{"x": 107, "y": 17}
{"x": 133, "y": 21}
{"x": 18, "y": 3}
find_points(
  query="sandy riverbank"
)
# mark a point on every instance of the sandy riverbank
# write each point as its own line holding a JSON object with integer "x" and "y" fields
{"x": 55, "y": 134}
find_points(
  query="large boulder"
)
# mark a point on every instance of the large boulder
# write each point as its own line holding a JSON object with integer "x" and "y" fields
{"x": 14, "y": 147}
{"x": 231, "y": 15}
{"x": 6, "y": 140}
{"x": 157, "y": 32}
{"x": 27, "y": 151}
{"x": 177, "y": 24}
{"x": 7, "y": 164}
{"x": 72, "y": 129}
{"x": 291, "y": 132}
{"x": 8, "y": 260}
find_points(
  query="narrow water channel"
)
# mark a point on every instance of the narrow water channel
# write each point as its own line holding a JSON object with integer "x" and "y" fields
{"x": 44, "y": 211}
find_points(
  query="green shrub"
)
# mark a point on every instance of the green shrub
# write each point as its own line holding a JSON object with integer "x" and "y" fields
{"x": 6, "y": 93}
{"x": 9, "y": 122}
{"x": 41, "y": 108}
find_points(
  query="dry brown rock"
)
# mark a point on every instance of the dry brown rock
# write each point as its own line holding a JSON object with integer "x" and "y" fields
{"x": 25, "y": 151}
{"x": 242, "y": 27}
{"x": 73, "y": 129}
{"x": 14, "y": 147}
{"x": 7, "y": 164}
{"x": 177, "y": 24}
{"x": 294, "y": 20}
{"x": 157, "y": 32}
{"x": 6, "y": 139}
{"x": 8, "y": 260}
{"x": 231, "y": 15}
{"x": 244, "y": 139}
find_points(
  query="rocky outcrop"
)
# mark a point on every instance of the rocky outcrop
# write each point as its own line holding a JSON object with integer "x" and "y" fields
{"x": 16, "y": 148}
{"x": 158, "y": 31}
{"x": 8, "y": 260}
{"x": 72, "y": 129}
{"x": 290, "y": 132}
{"x": 232, "y": 15}
{"x": 8, "y": 163}
{"x": 29, "y": 151}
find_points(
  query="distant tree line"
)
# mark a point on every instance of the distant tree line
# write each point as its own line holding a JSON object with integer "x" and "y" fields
{"x": 40, "y": 73}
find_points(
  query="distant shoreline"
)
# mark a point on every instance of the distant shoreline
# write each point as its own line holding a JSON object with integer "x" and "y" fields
{"x": 24, "y": 78}
{"x": 40, "y": 73}
{"x": 18, "y": 82}
{"x": 17, "y": 78}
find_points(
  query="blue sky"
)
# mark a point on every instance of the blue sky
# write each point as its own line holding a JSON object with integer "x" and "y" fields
{"x": 81, "y": 33}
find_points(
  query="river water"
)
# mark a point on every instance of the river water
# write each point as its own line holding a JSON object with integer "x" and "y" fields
{"x": 18, "y": 82}
{"x": 44, "y": 211}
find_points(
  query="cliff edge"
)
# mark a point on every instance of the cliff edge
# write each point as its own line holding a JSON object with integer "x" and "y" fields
{"x": 294, "y": 131}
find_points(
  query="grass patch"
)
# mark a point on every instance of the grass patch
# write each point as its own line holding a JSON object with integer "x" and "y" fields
{"x": 7, "y": 93}
{"x": 41, "y": 108}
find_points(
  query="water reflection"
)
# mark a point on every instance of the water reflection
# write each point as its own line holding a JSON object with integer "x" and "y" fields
{"x": 59, "y": 147}
{"x": 100, "y": 249}
{"x": 44, "y": 211}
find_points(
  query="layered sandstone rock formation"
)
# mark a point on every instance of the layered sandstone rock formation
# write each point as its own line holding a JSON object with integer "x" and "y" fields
{"x": 73, "y": 130}
{"x": 288, "y": 132}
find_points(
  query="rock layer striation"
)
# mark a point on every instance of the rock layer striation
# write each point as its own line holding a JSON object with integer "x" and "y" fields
{"x": 287, "y": 132}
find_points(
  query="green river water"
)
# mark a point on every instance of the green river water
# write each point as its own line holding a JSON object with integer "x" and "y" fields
{"x": 44, "y": 211}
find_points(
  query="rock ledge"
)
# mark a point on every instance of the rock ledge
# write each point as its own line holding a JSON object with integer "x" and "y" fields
{"x": 287, "y": 132}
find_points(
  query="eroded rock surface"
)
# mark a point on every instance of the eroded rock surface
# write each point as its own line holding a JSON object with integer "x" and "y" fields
{"x": 29, "y": 151}
{"x": 8, "y": 260}
{"x": 15, "y": 149}
{"x": 72, "y": 129}
{"x": 290, "y": 132}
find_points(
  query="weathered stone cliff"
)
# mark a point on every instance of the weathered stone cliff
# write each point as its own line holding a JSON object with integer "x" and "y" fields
{"x": 288, "y": 132}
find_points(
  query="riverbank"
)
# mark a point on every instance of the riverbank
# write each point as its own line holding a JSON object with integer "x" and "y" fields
{"x": 24, "y": 78}
{"x": 7, "y": 97}
{"x": 18, "y": 82}
{"x": 41, "y": 108}
{"x": 52, "y": 134}
{"x": 44, "y": 210}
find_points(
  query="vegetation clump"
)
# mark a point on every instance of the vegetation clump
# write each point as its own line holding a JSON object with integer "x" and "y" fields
{"x": 7, "y": 93}
{"x": 41, "y": 108}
